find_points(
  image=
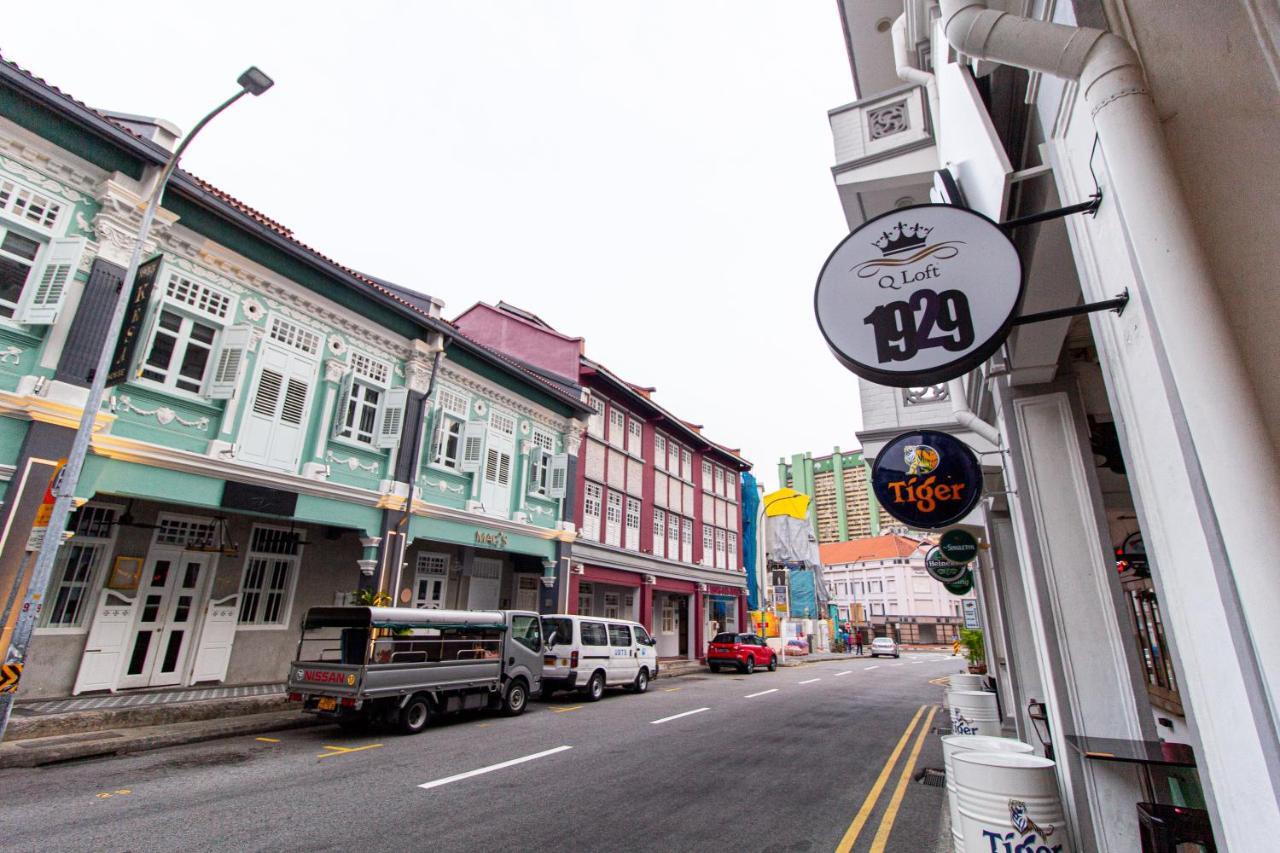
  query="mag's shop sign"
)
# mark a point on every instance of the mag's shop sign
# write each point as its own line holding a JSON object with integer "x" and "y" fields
{"x": 927, "y": 479}
{"x": 919, "y": 295}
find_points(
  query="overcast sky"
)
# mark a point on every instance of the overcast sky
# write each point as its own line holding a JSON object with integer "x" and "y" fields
{"x": 653, "y": 176}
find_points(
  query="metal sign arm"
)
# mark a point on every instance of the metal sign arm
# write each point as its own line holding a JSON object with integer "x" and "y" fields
{"x": 1117, "y": 305}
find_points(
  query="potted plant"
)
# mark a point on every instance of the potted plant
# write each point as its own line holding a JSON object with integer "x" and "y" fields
{"x": 975, "y": 650}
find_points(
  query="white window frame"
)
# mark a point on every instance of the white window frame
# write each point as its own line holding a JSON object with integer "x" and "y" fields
{"x": 595, "y": 423}
{"x": 367, "y": 375}
{"x": 659, "y": 532}
{"x": 722, "y": 561}
{"x": 673, "y": 458}
{"x": 686, "y": 540}
{"x": 708, "y": 545}
{"x": 660, "y": 451}
{"x": 673, "y": 536}
{"x": 633, "y": 524}
{"x": 104, "y": 550}
{"x": 613, "y": 519}
{"x": 447, "y": 425}
{"x": 668, "y": 616}
{"x": 617, "y": 427}
{"x": 18, "y": 201}
{"x": 287, "y": 591}
{"x": 541, "y": 454}
{"x": 169, "y": 376}
{"x": 592, "y": 495}
{"x": 707, "y": 471}
{"x": 635, "y": 438}
{"x": 686, "y": 464}
{"x": 33, "y": 267}
{"x": 731, "y": 549}
{"x": 586, "y": 593}
{"x": 612, "y": 605}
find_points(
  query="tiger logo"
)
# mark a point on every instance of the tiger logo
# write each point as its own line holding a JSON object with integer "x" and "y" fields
{"x": 920, "y": 458}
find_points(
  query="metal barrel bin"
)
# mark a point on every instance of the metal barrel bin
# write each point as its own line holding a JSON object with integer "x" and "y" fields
{"x": 953, "y": 744}
{"x": 1009, "y": 801}
{"x": 974, "y": 712}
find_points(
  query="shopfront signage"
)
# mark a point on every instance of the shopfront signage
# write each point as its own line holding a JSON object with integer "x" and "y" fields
{"x": 940, "y": 568}
{"x": 491, "y": 539}
{"x": 927, "y": 479}
{"x": 958, "y": 546}
{"x": 919, "y": 295}
{"x": 122, "y": 358}
{"x": 962, "y": 586}
{"x": 971, "y": 613}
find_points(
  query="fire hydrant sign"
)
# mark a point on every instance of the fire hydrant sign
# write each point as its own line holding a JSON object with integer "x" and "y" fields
{"x": 919, "y": 295}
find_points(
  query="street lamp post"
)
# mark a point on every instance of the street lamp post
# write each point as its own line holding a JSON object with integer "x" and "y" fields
{"x": 252, "y": 82}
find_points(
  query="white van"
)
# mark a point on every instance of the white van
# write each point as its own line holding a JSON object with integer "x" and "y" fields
{"x": 587, "y": 653}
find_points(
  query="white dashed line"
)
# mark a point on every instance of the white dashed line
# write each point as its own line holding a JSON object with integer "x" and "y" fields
{"x": 678, "y": 716}
{"x": 846, "y": 672}
{"x": 761, "y": 693}
{"x": 459, "y": 777}
{"x": 809, "y": 681}
{"x": 897, "y": 664}
{"x": 877, "y": 666}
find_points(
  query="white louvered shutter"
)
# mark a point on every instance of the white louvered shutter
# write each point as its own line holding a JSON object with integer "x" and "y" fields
{"x": 536, "y": 457}
{"x": 344, "y": 401}
{"x": 43, "y": 295}
{"x": 391, "y": 422}
{"x": 473, "y": 445}
{"x": 558, "y": 477}
{"x": 276, "y": 423}
{"x": 229, "y": 366}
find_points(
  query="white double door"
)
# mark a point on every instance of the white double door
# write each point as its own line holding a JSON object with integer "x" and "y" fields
{"x": 171, "y": 597}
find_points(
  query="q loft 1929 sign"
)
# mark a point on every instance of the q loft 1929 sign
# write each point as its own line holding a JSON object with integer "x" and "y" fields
{"x": 927, "y": 479}
{"x": 919, "y": 295}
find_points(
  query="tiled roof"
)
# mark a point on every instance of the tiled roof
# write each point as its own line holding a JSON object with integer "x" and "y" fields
{"x": 888, "y": 547}
{"x": 285, "y": 233}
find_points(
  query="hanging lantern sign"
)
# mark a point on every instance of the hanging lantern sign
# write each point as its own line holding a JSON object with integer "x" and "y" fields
{"x": 927, "y": 480}
{"x": 919, "y": 295}
{"x": 941, "y": 569}
{"x": 963, "y": 586}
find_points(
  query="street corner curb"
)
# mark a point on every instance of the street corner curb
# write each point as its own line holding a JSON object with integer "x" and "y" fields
{"x": 36, "y": 752}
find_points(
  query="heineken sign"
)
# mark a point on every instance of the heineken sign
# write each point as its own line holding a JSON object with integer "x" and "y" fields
{"x": 927, "y": 480}
{"x": 941, "y": 569}
{"x": 919, "y": 295}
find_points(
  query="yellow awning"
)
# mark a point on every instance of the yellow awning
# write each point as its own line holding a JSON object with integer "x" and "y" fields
{"x": 787, "y": 502}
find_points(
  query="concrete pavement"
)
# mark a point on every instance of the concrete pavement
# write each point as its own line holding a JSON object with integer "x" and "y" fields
{"x": 773, "y": 761}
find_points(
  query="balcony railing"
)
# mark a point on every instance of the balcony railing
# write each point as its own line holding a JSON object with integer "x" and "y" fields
{"x": 880, "y": 127}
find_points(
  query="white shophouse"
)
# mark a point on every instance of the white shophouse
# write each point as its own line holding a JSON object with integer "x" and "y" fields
{"x": 1153, "y": 431}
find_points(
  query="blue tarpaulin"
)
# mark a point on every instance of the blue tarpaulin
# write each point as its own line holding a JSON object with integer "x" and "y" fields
{"x": 750, "y": 522}
{"x": 802, "y": 604}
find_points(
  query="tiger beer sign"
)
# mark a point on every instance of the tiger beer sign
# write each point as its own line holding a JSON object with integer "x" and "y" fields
{"x": 927, "y": 479}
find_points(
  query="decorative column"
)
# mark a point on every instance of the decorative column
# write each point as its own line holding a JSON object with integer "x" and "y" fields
{"x": 316, "y": 468}
{"x": 368, "y": 561}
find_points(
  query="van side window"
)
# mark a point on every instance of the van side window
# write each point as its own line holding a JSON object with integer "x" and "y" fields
{"x": 563, "y": 629}
{"x": 594, "y": 634}
{"x": 619, "y": 635}
{"x": 527, "y": 631}
{"x": 642, "y": 636}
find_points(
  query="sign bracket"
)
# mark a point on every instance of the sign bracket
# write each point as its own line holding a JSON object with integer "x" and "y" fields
{"x": 1090, "y": 207}
{"x": 1117, "y": 305}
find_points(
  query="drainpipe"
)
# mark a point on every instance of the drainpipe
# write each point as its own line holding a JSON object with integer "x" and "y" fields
{"x": 905, "y": 64}
{"x": 966, "y": 417}
{"x": 1207, "y": 384}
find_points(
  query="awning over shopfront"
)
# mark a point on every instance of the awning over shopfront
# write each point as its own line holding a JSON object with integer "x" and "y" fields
{"x": 493, "y": 538}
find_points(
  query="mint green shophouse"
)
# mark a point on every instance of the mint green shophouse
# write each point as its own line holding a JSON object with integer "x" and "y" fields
{"x": 258, "y": 459}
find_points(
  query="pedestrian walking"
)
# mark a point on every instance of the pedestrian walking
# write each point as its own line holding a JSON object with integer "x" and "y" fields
{"x": 858, "y": 643}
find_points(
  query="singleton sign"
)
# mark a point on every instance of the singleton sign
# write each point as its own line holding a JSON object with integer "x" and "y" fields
{"x": 919, "y": 295}
{"x": 958, "y": 546}
{"x": 927, "y": 480}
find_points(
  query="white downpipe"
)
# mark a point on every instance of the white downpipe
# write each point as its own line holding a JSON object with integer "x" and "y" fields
{"x": 965, "y": 416}
{"x": 1228, "y": 439}
{"x": 903, "y": 61}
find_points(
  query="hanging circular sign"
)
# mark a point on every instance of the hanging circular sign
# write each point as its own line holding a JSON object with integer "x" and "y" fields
{"x": 941, "y": 569}
{"x": 958, "y": 546}
{"x": 927, "y": 479}
{"x": 919, "y": 295}
{"x": 962, "y": 586}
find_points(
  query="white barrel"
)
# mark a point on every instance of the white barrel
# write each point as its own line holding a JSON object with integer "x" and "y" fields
{"x": 973, "y": 712}
{"x": 952, "y": 744}
{"x": 966, "y": 681}
{"x": 1008, "y": 801}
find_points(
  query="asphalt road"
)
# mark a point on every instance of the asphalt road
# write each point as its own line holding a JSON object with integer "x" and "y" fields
{"x": 784, "y": 761}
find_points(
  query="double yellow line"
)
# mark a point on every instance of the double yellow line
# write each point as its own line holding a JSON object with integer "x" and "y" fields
{"x": 895, "y": 801}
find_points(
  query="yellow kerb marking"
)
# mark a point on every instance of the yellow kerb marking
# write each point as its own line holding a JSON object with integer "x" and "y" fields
{"x": 670, "y": 689}
{"x": 343, "y": 750}
{"x": 891, "y": 812}
{"x": 268, "y": 739}
{"x": 860, "y": 819}
{"x": 570, "y": 708}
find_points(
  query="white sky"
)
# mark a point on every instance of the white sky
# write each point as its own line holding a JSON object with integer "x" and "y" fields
{"x": 653, "y": 176}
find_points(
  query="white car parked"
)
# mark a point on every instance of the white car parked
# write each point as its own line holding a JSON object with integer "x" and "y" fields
{"x": 879, "y": 646}
{"x": 588, "y": 653}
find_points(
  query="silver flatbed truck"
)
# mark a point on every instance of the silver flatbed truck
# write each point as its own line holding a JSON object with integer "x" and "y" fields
{"x": 403, "y": 666}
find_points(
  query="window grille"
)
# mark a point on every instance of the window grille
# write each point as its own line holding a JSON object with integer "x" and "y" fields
{"x": 453, "y": 402}
{"x": 28, "y": 205}
{"x": 198, "y": 296}
{"x": 294, "y": 336}
{"x": 368, "y": 367}
{"x": 184, "y": 532}
{"x": 432, "y": 563}
{"x": 502, "y": 422}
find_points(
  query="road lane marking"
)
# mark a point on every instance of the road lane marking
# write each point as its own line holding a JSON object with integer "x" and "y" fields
{"x": 670, "y": 689}
{"x": 897, "y": 664}
{"x": 678, "y": 716}
{"x": 268, "y": 739}
{"x": 860, "y": 820}
{"x": 761, "y": 693}
{"x": 809, "y": 681}
{"x": 846, "y": 672}
{"x": 492, "y": 767}
{"x": 106, "y": 795}
{"x": 343, "y": 750}
{"x": 891, "y": 811}
{"x": 570, "y": 708}
{"x": 865, "y": 668}
{"x": 941, "y": 682}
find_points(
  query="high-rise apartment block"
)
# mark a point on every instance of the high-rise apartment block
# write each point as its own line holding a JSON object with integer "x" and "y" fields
{"x": 839, "y": 484}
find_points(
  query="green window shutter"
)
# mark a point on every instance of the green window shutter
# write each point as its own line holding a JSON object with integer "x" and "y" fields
{"x": 43, "y": 295}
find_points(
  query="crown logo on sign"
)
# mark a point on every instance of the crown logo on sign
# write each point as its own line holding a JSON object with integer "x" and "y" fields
{"x": 901, "y": 237}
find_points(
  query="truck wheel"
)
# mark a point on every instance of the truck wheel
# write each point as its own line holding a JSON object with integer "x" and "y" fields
{"x": 642, "y": 681}
{"x": 414, "y": 716}
{"x": 595, "y": 687}
{"x": 513, "y": 704}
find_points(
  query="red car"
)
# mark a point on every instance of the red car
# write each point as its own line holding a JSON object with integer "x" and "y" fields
{"x": 744, "y": 651}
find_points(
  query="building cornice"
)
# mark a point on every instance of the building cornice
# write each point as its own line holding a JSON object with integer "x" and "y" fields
{"x": 585, "y": 550}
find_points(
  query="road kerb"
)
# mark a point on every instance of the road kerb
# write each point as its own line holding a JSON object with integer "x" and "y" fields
{"x": 860, "y": 819}
{"x": 895, "y": 802}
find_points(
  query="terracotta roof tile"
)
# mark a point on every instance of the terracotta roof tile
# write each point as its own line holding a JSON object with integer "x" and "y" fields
{"x": 888, "y": 547}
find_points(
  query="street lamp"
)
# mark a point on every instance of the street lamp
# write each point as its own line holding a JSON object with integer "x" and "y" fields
{"x": 251, "y": 82}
